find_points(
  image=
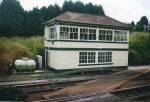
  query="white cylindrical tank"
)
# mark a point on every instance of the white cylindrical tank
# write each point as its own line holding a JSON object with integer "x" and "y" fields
{"x": 25, "y": 64}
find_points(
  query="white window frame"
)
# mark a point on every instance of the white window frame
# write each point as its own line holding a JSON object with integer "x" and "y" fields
{"x": 87, "y": 57}
{"x": 64, "y": 32}
{"x": 106, "y": 35}
{"x": 84, "y": 32}
{"x": 87, "y": 32}
{"x": 105, "y": 57}
{"x": 73, "y": 32}
{"x": 52, "y": 33}
{"x": 120, "y": 36}
{"x": 91, "y": 57}
{"x": 83, "y": 57}
{"x": 92, "y": 34}
{"x": 109, "y": 35}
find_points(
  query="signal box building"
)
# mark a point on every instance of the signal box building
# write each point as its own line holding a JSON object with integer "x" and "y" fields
{"x": 76, "y": 41}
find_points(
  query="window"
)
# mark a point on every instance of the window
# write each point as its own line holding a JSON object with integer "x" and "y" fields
{"x": 64, "y": 32}
{"x": 104, "y": 57}
{"x": 52, "y": 33}
{"x": 91, "y": 57}
{"x": 87, "y": 34}
{"x": 83, "y": 57}
{"x": 73, "y": 33}
{"x": 120, "y": 36}
{"x": 86, "y": 57}
{"x": 105, "y": 35}
{"x": 68, "y": 33}
{"x": 92, "y": 34}
{"x": 83, "y": 34}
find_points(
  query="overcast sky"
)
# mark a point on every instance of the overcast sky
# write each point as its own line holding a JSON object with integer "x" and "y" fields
{"x": 123, "y": 10}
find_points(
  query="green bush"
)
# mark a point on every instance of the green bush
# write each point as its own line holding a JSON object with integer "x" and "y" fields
{"x": 139, "y": 49}
{"x": 17, "y": 47}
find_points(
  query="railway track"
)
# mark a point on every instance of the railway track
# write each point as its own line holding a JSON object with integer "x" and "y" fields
{"x": 138, "y": 81}
{"x": 121, "y": 95}
{"x": 130, "y": 75}
{"x": 33, "y": 86}
{"x": 57, "y": 84}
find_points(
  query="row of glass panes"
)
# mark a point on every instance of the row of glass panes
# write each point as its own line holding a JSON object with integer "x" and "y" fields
{"x": 88, "y": 34}
{"x": 120, "y": 36}
{"x": 90, "y": 57}
{"x": 104, "y": 57}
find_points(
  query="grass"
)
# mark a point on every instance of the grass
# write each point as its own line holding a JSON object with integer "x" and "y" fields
{"x": 18, "y": 47}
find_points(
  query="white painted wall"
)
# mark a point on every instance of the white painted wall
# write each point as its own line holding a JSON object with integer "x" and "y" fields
{"x": 70, "y": 59}
{"x": 61, "y": 44}
{"x": 53, "y": 59}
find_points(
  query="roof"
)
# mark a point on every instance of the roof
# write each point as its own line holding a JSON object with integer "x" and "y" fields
{"x": 88, "y": 18}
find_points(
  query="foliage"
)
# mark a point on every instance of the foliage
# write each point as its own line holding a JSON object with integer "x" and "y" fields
{"x": 132, "y": 26}
{"x": 84, "y": 8}
{"x": 29, "y": 23}
{"x": 139, "y": 52}
{"x": 11, "y": 17}
{"x": 17, "y": 47}
{"x": 140, "y": 25}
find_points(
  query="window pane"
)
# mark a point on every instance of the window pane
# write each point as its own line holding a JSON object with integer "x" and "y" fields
{"x": 104, "y": 57}
{"x": 105, "y": 35}
{"x": 73, "y": 33}
{"x": 92, "y": 34}
{"x": 91, "y": 57}
{"x": 87, "y": 57}
{"x": 120, "y": 36}
{"x": 64, "y": 32}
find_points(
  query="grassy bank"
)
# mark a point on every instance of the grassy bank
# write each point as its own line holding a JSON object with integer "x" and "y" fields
{"x": 139, "y": 52}
{"x": 17, "y": 47}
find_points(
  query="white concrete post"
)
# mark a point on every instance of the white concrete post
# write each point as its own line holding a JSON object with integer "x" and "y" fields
{"x": 58, "y": 31}
{"x": 113, "y": 35}
{"x": 78, "y": 33}
{"x": 97, "y": 34}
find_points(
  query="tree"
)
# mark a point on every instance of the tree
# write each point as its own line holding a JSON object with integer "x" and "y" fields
{"x": 35, "y": 21}
{"x": 144, "y": 20}
{"x": 15, "y": 21}
{"x": 140, "y": 25}
{"x": 78, "y": 6}
{"x": 68, "y": 6}
{"x": 11, "y": 18}
{"x": 94, "y": 9}
{"x": 132, "y": 26}
{"x": 53, "y": 11}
